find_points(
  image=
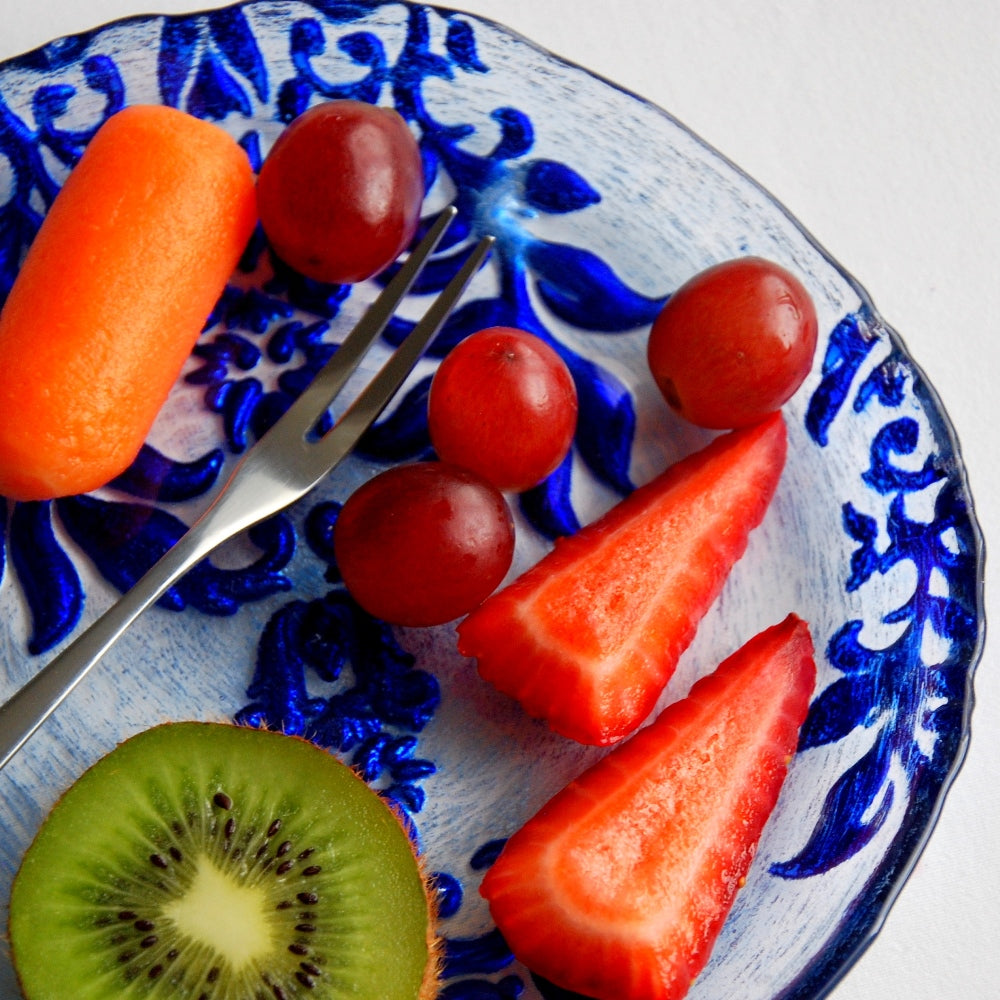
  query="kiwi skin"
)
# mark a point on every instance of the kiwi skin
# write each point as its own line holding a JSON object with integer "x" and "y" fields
{"x": 235, "y": 821}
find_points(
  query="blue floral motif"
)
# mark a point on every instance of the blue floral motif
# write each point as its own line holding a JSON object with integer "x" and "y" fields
{"x": 381, "y": 701}
{"x": 203, "y": 60}
{"x": 883, "y": 690}
{"x": 467, "y": 961}
{"x": 34, "y": 187}
{"x": 153, "y": 476}
{"x": 51, "y": 584}
{"x": 124, "y": 539}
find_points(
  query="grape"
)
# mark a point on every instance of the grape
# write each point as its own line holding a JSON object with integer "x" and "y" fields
{"x": 340, "y": 192}
{"x": 423, "y": 543}
{"x": 734, "y": 343}
{"x": 503, "y": 404}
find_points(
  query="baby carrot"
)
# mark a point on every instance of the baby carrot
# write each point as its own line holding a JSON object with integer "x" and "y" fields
{"x": 112, "y": 295}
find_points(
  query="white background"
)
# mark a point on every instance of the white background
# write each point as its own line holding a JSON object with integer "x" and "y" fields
{"x": 877, "y": 123}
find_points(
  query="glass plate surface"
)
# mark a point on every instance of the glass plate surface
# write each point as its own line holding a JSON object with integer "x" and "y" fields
{"x": 602, "y": 205}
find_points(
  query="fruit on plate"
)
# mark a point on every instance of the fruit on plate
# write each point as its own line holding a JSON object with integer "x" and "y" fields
{"x": 203, "y": 859}
{"x": 113, "y": 293}
{"x": 734, "y": 343}
{"x": 423, "y": 543}
{"x": 588, "y": 637}
{"x": 341, "y": 189}
{"x": 618, "y": 887}
{"x": 503, "y": 404}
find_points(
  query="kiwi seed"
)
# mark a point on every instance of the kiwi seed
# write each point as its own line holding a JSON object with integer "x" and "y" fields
{"x": 215, "y": 862}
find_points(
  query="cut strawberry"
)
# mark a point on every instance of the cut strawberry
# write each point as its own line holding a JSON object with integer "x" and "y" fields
{"x": 619, "y": 886}
{"x": 588, "y": 637}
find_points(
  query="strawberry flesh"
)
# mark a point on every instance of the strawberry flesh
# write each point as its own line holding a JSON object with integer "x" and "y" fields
{"x": 588, "y": 637}
{"x": 618, "y": 887}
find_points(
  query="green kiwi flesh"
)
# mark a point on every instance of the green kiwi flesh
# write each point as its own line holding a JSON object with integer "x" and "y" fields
{"x": 215, "y": 862}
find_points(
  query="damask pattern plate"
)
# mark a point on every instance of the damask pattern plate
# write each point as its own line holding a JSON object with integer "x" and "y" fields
{"x": 601, "y": 204}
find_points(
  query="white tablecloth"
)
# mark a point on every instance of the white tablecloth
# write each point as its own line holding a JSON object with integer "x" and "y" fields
{"x": 877, "y": 123}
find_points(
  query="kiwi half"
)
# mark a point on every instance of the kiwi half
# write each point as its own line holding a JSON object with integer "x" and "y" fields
{"x": 205, "y": 860}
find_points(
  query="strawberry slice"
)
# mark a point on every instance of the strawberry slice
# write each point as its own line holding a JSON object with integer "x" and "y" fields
{"x": 588, "y": 637}
{"x": 619, "y": 886}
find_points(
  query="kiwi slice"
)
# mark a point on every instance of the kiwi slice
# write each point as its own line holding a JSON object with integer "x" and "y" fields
{"x": 205, "y": 860}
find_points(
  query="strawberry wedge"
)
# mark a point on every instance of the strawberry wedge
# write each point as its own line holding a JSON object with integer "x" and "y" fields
{"x": 588, "y": 637}
{"x": 619, "y": 886}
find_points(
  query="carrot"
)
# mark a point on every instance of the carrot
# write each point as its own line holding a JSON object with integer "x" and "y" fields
{"x": 112, "y": 295}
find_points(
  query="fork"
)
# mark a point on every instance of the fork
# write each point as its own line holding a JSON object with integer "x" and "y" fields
{"x": 284, "y": 465}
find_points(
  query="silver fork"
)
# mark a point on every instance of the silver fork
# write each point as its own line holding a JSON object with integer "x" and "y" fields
{"x": 284, "y": 465}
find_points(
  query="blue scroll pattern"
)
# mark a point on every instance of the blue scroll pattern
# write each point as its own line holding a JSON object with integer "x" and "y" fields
{"x": 884, "y": 689}
{"x": 212, "y": 66}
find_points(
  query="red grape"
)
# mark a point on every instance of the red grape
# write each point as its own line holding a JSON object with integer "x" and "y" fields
{"x": 423, "y": 543}
{"x": 340, "y": 192}
{"x": 734, "y": 343}
{"x": 503, "y": 404}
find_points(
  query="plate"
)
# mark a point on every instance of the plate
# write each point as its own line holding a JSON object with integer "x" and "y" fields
{"x": 602, "y": 204}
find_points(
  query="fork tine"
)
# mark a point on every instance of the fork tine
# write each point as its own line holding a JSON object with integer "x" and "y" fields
{"x": 303, "y": 414}
{"x": 363, "y": 411}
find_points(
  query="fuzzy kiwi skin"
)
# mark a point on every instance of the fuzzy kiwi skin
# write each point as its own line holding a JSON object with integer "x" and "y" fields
{"x": 73, "y": 885}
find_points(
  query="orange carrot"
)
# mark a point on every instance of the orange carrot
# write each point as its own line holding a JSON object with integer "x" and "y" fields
{"x": 113, "y": 293}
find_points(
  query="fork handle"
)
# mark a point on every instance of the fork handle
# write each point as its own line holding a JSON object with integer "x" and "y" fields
{"x": 29, "y": 707}
{"x": 231, "y": 511}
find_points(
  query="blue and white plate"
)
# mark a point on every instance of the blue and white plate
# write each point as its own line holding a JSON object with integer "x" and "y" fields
{"x": 601, "y": 204}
